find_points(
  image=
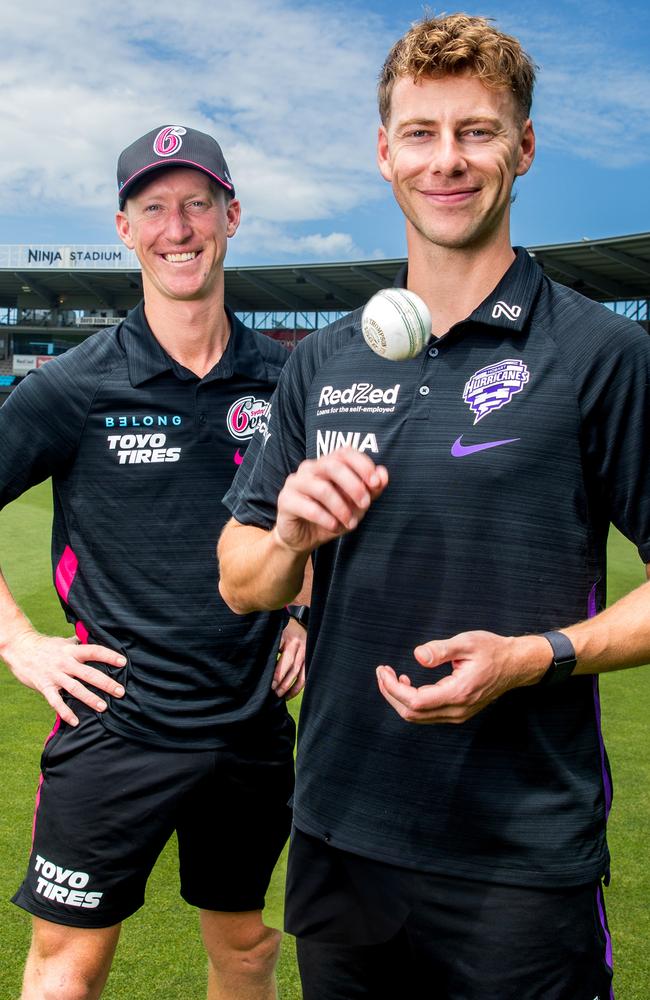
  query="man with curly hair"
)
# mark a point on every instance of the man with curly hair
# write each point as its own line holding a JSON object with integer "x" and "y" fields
{"x": 450, "y": 810}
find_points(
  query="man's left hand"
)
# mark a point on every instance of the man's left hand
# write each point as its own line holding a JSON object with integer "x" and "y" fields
{"x": 484, "y": 666}
{"x": 289, "y": 676}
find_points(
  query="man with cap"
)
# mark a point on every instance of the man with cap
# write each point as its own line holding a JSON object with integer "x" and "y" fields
{"x": 171, "y": 714}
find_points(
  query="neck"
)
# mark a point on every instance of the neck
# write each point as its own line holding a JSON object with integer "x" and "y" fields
{"x": 194, "y": 333}
{"x": 453, "y": 282}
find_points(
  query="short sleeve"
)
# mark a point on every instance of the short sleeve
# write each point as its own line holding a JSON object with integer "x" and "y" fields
{"x": 276, "y": 450}
{"x": 614, "y": 398}
{"x": 40, "y": 426}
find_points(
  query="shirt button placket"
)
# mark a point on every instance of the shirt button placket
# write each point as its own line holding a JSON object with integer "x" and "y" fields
{"x": 201, "y": 415}
{"x": 421, "y": 410}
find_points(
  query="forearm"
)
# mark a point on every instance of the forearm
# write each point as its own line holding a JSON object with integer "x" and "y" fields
{"x": 13, "y": 623}
{"x": 304, "y": 594}
{"x": 617, "y": 638}
{"x": 257, "y": 570}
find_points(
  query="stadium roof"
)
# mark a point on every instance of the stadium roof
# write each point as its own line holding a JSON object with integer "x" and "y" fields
{"x": 608, "y": 270}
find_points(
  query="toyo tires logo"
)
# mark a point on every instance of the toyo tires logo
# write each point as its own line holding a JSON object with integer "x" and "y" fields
{"x": 245, "y": 416}
{"x": 168, "y": 141}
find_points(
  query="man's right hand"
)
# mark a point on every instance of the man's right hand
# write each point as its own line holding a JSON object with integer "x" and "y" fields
{"x": 52, "y": 664}
{"x": 326, "y": 498}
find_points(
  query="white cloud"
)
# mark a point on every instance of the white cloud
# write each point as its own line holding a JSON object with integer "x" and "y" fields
{"x": 260, "y": 237}
{"x": 287, "y": 90}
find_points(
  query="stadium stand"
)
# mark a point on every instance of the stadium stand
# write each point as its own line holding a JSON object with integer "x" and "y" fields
{"x": 53, "y": 297}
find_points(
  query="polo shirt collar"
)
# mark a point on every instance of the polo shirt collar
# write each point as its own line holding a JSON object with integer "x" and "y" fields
{"x": 146, "y": 357}
{"x": 511, "y": 301}
{"x": 242, "y": 355}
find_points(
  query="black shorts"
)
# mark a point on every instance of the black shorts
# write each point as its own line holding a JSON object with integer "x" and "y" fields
{"x": 378, "y": 932}
{"x": 107, "y": 806}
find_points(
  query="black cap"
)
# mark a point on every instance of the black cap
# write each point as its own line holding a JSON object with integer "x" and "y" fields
{"x": 171, "y": 146}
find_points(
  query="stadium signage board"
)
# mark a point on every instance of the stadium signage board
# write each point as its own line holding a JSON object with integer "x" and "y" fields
{"x": 24, "y": 363}
{"x": 42, "y": 257}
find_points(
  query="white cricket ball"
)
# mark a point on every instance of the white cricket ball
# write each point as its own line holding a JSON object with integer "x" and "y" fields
{"x": 396, "y": 324}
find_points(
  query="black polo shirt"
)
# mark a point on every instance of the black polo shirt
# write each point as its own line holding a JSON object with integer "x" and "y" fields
{"x": 510, "y": 443}
{"x": 140, "y": 452}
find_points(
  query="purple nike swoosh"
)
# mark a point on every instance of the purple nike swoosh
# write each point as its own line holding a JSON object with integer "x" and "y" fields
{"x": 459, "y": 450}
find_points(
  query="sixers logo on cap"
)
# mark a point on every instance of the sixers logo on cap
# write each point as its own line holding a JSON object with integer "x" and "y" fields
{"x": 168, "y": 141}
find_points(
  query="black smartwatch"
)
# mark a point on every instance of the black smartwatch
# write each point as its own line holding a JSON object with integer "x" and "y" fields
{"x": 564, "y": 658}
{"x": 300, "y": 612}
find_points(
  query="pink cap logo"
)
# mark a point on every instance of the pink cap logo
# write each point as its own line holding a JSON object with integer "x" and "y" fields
{"x": 168, "y": 141}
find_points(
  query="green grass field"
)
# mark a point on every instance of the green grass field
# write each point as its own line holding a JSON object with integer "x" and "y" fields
{"x": 159, "y": 956}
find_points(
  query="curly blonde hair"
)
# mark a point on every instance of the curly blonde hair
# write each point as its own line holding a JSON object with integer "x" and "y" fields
{"x": 459, "y": 43}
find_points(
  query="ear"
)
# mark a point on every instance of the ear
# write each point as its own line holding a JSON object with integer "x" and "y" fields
{"x": 383, "y": 155}
{"x": 233, "y": 215}
{"x": 123, "y": 227}
{"x": 526, "y": 149}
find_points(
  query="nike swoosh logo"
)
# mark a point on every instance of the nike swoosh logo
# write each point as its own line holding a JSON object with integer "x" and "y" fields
{"x": 459, "y": 450}
{"x": 238, "y": 458}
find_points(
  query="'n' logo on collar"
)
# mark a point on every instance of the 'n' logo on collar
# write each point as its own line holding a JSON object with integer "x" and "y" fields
{"x": 503, "y": 309}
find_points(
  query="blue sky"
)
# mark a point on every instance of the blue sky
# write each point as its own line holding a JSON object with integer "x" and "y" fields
{"x": 288, "y": 88}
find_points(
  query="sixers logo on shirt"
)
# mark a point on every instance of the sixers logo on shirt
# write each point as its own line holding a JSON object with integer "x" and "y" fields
{"x": 168, "y": 141}
{"x": 246, "y": 415}
{"x": 492, "y": 387}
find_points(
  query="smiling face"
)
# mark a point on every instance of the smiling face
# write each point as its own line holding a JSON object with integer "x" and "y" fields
{"x": 179, "y": 224}
{"x": 451, "y": 150}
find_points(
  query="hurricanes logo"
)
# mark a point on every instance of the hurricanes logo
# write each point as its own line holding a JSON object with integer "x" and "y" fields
{"x": 246, "y": 415}
{"x": 492, "y": 387}
{"x": 168, "y": 141}
{"x": 503, "y": 309}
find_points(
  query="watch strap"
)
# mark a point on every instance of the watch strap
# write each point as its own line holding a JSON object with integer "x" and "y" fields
{"x": 300, "y": 612}
{"x": 564, "y": 658}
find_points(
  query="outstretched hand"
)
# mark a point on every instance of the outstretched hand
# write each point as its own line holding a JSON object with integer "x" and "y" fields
{"x": 484, "y": 666}
{"x": 52, "y": 664}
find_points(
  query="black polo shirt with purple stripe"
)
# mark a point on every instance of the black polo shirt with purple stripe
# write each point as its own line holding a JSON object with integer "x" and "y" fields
{"x": 511, "y": 444}
{"x": 141, "y": 451}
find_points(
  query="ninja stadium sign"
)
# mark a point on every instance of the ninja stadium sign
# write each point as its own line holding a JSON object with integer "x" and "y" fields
{"x": 44, "y": 257}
